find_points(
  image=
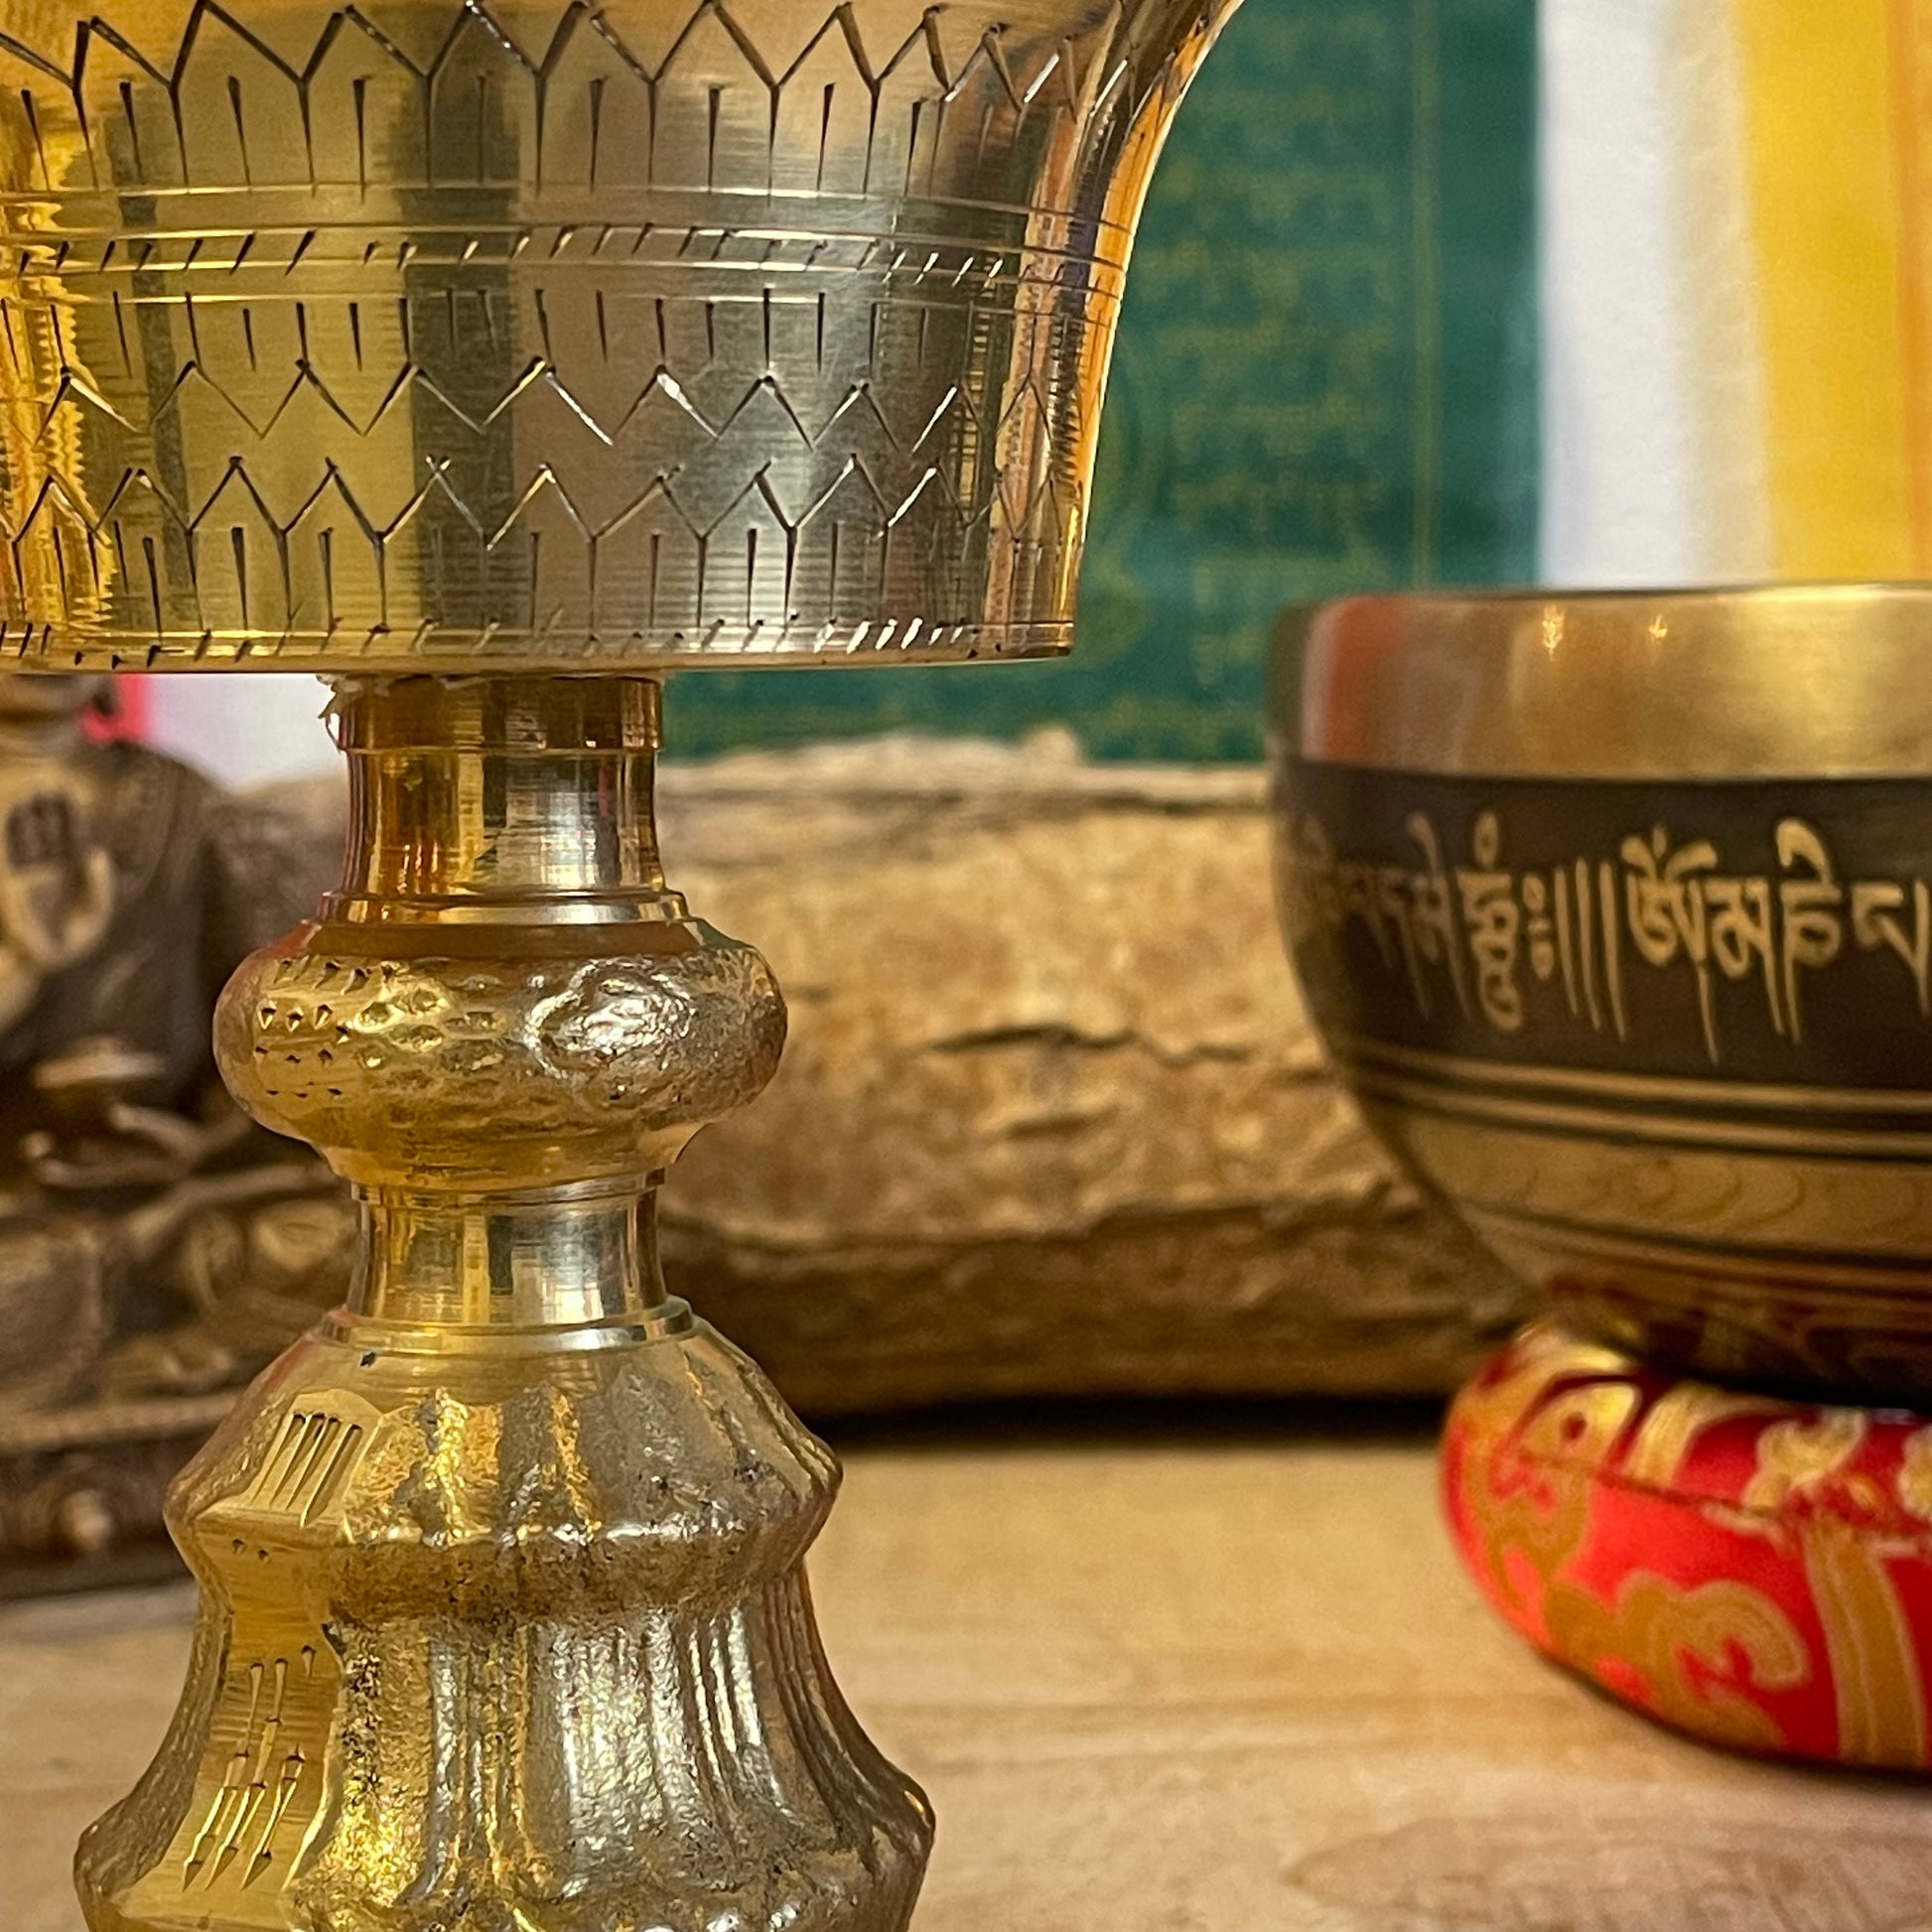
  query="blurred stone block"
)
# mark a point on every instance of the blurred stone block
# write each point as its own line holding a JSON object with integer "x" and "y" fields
{"x": 1053, "y": 1120}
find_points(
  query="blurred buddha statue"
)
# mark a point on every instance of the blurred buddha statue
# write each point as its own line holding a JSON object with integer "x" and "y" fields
{"x": 154, "y": 1244}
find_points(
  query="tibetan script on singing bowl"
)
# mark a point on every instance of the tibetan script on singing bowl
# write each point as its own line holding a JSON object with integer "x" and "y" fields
{"x": 1668, "y": 1046}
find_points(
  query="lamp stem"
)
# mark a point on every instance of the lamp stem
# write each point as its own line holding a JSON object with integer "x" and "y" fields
{"x": 504, "y": 1616}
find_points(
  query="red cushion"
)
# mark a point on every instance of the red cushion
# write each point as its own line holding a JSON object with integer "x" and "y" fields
{"x": 1751, "y": 1569}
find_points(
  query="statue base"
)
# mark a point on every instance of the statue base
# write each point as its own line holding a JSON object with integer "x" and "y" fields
{"x": 81, "y": 1490}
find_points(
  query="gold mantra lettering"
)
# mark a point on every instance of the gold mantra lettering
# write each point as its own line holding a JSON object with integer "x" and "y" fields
{"x": 1470, "y": 932}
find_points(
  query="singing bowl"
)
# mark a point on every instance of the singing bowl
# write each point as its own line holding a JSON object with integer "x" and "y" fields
{"x": 1615, "y": 911}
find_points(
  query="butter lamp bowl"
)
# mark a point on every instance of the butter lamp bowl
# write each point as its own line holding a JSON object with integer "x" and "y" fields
{"x": 1615, "y": 913}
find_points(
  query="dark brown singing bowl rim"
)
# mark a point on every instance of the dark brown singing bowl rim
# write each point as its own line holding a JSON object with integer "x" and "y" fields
{"x": 1803, "y": 680}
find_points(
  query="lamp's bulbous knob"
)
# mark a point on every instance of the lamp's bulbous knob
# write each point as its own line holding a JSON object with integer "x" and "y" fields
{"x": 519, "y": 1065}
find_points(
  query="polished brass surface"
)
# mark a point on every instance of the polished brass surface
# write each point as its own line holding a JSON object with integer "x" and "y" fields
{"x": 529, "y": 337}
{"x": 538, "y": 331}
{"x": 504, "y": 1618}
{"x": 1785, "y": 681}
{"x": 1616, "y": 914}
{"x": 155, "y": 1248}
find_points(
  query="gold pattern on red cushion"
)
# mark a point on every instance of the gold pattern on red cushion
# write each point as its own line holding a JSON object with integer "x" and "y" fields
{"x": 1754, "y": 1570}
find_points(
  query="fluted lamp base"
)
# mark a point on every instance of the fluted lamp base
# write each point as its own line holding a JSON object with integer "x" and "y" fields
{"x": 505, "y": 1625}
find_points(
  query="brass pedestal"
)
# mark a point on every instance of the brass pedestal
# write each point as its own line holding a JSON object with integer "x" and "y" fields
{"x": 505, "y": 1619}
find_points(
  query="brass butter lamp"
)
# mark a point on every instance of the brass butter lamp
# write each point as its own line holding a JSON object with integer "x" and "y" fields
{"x": 492, "y": 360}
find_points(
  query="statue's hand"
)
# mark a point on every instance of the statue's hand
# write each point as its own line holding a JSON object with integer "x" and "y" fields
{"x": 57, "y": 890}
{"x": 146, "y": 1230}
{"x": 141, "y": 1146}
{"x": 188, "y": 1145}
{"x": 54, "y": 916}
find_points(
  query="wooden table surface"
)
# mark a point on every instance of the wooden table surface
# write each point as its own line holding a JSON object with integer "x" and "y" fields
{"x": 1163, "y": 1680}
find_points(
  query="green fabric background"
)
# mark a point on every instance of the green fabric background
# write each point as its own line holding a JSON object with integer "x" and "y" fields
{"x": 1325, "y": 381}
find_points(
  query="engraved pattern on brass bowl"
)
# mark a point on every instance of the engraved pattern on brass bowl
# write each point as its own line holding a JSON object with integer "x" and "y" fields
{"x": 1616, "y": 913}
{"x": 354, "y": 337}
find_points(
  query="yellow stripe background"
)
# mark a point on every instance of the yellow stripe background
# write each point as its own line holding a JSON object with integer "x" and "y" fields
{"x": 1830, "y": 158}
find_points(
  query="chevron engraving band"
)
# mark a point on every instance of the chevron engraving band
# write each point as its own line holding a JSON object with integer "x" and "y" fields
{"x": 495, "y": 336}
